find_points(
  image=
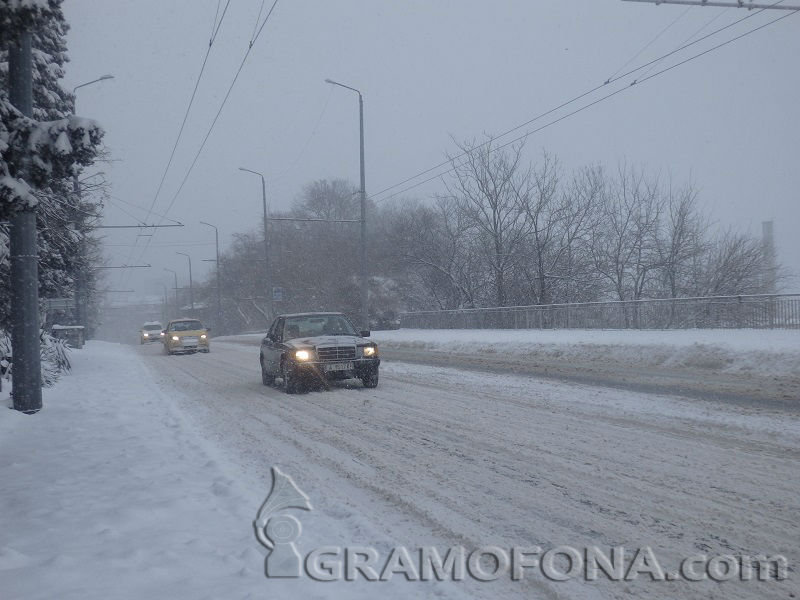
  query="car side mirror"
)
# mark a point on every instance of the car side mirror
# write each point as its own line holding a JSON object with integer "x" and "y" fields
{"x": 364, "y": 333}
{"x": 164, "y": 331}
{"x": 208, "y": 329}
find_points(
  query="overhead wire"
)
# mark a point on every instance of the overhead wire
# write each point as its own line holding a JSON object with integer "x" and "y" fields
{"x": 214, "y": 32}
{"x": 696, "y": 33}
{"x": 650, "y": 43}
{"x": 567, "y": 103}
{"x": 112, "y": 199}
{"x": 582, "y": 108}
{"x": 216, "y": 117}
{"x": 308, "y": 140}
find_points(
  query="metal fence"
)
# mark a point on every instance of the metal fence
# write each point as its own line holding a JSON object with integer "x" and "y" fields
{"x": 773, "y": 311}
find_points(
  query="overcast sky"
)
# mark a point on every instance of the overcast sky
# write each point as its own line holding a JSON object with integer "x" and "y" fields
{"x": 428, "y": 70}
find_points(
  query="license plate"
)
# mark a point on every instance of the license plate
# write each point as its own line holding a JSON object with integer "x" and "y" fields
{"x": 347, "y": 366}
{"x": 189, "y": 341}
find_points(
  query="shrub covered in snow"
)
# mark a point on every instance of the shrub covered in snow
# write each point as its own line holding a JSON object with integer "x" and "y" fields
{"x": 54, "y": 357}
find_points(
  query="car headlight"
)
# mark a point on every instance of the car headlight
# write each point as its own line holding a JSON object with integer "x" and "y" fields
{"x": 370, "y": 350}
{"x": 202, "y": 336}
{"x": 162, "y": 333}
{"x": 175, "y": 338}
{"x": 302, "y": 355}
{"x": 146, "y": 335}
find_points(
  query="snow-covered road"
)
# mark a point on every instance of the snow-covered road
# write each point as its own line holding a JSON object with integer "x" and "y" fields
{"x": 442, "y": 456}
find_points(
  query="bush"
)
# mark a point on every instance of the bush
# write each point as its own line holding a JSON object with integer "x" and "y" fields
{"x": 54, "y": 355}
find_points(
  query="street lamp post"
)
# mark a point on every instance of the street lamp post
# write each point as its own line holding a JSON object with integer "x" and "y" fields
{"x": 177, "y": 302}
{"x": 363, "y": 249}
{"x": 80, "y": 284}
{"x": 191, "y": 288}
{"x": 219, "y": 288}
{"x": 267, "y": 286}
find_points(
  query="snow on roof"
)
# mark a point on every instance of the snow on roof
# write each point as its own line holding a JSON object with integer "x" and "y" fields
{"x": 152, "y": 322}
{"x": 67, "y": 327}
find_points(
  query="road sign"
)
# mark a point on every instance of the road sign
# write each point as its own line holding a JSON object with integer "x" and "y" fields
{"x": 277, "y": 294}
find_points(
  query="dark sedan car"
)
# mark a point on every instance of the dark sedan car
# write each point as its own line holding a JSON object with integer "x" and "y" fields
{"x": 307, "y": 350}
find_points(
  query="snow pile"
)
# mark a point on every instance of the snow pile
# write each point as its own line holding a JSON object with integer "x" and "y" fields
{"x": 767, "y": 352}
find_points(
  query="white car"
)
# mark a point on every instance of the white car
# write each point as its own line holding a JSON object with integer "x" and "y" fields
{"x": 151, "y": 332}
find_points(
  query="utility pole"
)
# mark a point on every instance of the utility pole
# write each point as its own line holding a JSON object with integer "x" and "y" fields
{"x": 81, "y": 294}
{"x": 364, "y": 292}
{"x": 219, "y": 288}
{"x": 267, "y": 282}
{"x": 191, "y": 287}
{"x": 177, "y": 302}
{"x": 27, "y": 372}
{"x": 729, "y": 4}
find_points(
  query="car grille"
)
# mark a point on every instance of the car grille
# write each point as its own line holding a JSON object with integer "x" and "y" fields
{"x": 333, "y": 353}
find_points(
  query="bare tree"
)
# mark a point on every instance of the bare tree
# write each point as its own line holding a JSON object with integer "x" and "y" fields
{"x": 434, "y": 243}
{"x": 732, "y": 265}
{"x": 491, "y": 187}
{"x": 324, "y": 199}
{"x": 625, "y": 243}
{"x": 682, "y": 239}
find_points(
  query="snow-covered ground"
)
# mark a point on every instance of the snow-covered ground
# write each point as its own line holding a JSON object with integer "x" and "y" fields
{"x": 109, "y": 492}
{"x": 143, "y": 474}
{"x": 774, "y": 352}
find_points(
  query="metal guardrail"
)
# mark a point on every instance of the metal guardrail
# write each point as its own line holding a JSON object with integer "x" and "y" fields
{"x": 768, "y": 311}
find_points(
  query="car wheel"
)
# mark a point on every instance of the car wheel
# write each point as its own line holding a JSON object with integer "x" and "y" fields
{"x": 291, "y": 384}
{"x": 266, "y": 378}
{"x": 371, "y": 379}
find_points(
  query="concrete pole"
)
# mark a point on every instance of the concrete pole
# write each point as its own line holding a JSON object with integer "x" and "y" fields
{"x": 267, "y": 286}
{"x": 81, "y": 294}
{"x": 177, "y": 300}
{"x": 364, "y": 292}
{"x": 219, "y": 285}
{"x": 26, "y": 369}
{"x": 267, "y": 282}
{"x": 363, "y": 248}
{"x": 191, "y": 286}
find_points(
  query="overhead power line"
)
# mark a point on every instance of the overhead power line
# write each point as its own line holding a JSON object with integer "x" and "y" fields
{"x": 579, "y": 110}
{"x": 219, "y": 112}
{"x": 650, "y": 43}
{"x": 214, "y": 32}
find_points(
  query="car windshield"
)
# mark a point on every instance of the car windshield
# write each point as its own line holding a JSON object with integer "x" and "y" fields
{"x": 156, "y": 327}
{"x": 313, "y": 325}
{"x": 186, "y": 326}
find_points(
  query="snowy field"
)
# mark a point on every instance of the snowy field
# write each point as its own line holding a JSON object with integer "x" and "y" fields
{"x": 143, "y": 474}
{"x": 775, "y": 352}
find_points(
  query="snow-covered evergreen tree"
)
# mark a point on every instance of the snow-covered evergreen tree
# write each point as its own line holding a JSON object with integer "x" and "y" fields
{"x": 61, "y": 143}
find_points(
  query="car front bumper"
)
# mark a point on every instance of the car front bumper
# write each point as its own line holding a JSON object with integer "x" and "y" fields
{"x": 362, "y": 367}
{"x": 173, "y": 346}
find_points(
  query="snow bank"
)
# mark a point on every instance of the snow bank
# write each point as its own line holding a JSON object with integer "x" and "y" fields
{"x": 768, "y": 352}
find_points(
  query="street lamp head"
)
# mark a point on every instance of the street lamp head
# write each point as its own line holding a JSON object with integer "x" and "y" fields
{"x": 104, "y": 77}
{"x": 330, "y": 81}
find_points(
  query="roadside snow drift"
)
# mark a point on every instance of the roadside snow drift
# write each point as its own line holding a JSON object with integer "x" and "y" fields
{"x": 766, "y": 352}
